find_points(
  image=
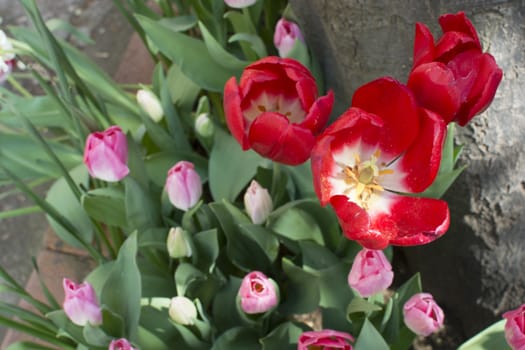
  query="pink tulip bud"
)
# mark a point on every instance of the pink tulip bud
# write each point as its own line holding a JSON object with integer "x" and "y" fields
{"x": 515, "y": 328}
{"x": 285, "y": 36}
{"x": 183, "y": 311}
{"x": 257, "y": 202}
{"x": 120, "y": 344}
{"x": 422, "y": 315}
{"x": 239, "y": 4}
{"x": 80, "y": 304}
{"x": 258, "y": 293}
{"x": 371, "y": 272}
{"x": 106, "y": 154}
{"x": 326, "y": 339}
{"x": 183, "y": 185}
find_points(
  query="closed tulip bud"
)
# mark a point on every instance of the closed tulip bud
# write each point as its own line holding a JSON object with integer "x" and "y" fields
{"x": 178, "y": 243}
{"x": 285, "y": 35}
{"x": 422, "y": 314}
{"x": 515, "y": 328}
{"x": 183, "y": 311}
{"x": 120, "y": 344}
{"x": 7, "y": 57}
{"x": 239, "y": 4}
{"x": 204, "y": 126}
{"x": 371, "y": 272}
{"x": 258, "y": 293}
{"x": 257, "y": 202}
{"x": 183, "y": 185}
{"x": 106, "y": 154}
{"x": 150, "y": 103}
{"x": 80, "y": 303}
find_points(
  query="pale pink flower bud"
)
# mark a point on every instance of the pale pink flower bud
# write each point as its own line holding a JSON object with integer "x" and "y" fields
{"x": 422, "y": 314}
{"x": 7, "y": 57}
{"x": 80, "y": 303}
{"x": 371, "y": 272}
{"x": 183, "y": 311}
{"x": 515, "y": 328}
{"x": 183, "y": 185}
{"x": 120, "y": 344}
{"x": 285, "y": 35}
{"x": 326, "y": 339}
{"x": 239, "y": 4}
{"x": 258, "y": 293}
{"x": 106, "y": 154}
{"x": 257, "y": 202}
{"x": 178, "y": 243}
{"x": 150, "y": 103}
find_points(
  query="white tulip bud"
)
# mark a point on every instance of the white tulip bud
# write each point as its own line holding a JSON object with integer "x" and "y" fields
{"x": 178, "y": 243}
{"x": 183, "y": 311}
{"x": 257, "y": 202}
{"x": 150, "y": 103}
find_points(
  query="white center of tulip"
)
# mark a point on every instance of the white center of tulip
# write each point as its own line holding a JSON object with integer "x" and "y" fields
{"x": 362, "y": 178}
{"x": 290, "y": 108}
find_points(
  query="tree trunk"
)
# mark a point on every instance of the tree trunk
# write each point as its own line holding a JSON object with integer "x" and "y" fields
{"x": 476, "y": 271}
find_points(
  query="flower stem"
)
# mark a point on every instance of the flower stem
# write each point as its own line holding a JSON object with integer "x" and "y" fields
{"x": 18, "y": 87}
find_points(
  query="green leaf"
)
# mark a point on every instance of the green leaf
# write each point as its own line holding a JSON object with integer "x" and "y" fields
{"x": 220, "y": 55}
{"x": 301, "y": 294}
{"x": 360, "y": 305}
{"x": 58, "y": 24}
{"x": 96, "y": 337}
{"x": 491, "y": 338}
{"x": 190, "y": 54}
{"x": 122, "y": 290}
{"x": 370, "y": 338}
{"x": 179, "y": 23}
{"x": 142, "y": 211}
{"x": 25, "y": 345}
{"x": 106, "y": 205}
{"x": 299, "y": 52}
{"x": 283, "y": 337}
{"x": 66, "y": 327}
{"x": 183, "y": 91}
{"x": 265, "y": 238}
{"x": 238, "y": 338}
{"x": 42, "y": 111}
{"x": 62, "y": 198}
{"x": 253, "y": 40}
{"x": 185, "y": 275}
{"x": 230, "y": 168}
{"x": 26, "y": 158}
{"x": 303, "y": 180}
{"x": 206, "y": 251}
{"x": 242, "y": 247}
{"x": 296, "y": 224}
{"x": 224, "y": 305}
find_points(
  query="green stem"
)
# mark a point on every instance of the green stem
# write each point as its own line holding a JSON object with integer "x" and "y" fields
{"x": 18, "y": 87}
{"x": 20, "y": 211}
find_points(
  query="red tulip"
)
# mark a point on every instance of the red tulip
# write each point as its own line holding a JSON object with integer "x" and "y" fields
{"x": 452, "y": 76}
{"x": 275, "y": 109}
{"x": 381, "y": 147}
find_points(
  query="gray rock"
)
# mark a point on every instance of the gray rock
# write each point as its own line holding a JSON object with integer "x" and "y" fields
{"x": 476, "y": 270}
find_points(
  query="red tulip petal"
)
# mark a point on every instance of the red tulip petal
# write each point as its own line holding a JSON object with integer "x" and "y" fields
{"x": 234, "y": 116}
{"x": 482, "y": 93}
{"x": 319, "y": 113}
{"x": 423, "y": 45}
{"x": 419, "y": 220}
{"x": 452, "y": 44}
{"x": 435, "y": 88}
{"x": 307, "y": 92}
{"x": 272, "y": 136}
{"x": 415, "y": 170}
{"x": 459, "y": 23}
{"x": 395, "y": 104}
{"x": 357, "y": 224}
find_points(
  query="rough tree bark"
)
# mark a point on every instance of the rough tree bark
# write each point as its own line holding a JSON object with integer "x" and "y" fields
{"x": 476, "y": 271}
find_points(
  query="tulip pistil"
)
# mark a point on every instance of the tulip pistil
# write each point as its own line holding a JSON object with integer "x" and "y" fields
{"x": 362, "y": 178}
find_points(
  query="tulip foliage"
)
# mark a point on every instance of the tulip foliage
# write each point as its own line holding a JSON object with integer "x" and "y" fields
{"x": 219, "y": 207}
